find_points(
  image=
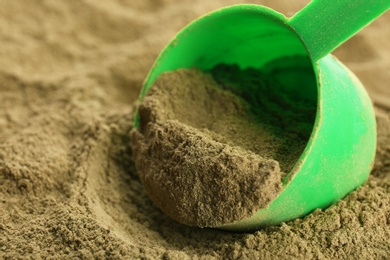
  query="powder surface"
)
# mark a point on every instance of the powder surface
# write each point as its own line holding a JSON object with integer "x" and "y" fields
{"x": 205, "y": 150}
{"x": 69, "y": 76}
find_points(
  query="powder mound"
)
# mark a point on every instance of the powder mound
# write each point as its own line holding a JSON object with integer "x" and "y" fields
{"x": 200, "y": 182}
{"x": 195, "y": 174}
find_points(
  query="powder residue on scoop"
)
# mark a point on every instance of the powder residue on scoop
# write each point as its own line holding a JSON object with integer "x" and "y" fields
{"x": 207, "y": 152}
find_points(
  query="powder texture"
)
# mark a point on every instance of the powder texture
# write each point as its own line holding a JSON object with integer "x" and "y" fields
{"x": 279, "y": 120}
{"x": 69, "y": 76}
{"x": 205, "y": 151}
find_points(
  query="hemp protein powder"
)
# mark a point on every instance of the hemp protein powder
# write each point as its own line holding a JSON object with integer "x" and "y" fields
{"x": 213, "y": 148}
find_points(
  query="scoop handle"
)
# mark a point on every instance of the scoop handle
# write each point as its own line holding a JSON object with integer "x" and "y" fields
{"x": 323, "y": 25}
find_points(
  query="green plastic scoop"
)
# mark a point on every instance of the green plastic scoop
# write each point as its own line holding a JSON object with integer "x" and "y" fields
{"x": 339, "y": 155}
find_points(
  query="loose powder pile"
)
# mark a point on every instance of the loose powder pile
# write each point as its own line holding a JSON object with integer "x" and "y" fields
{"x": 70, "y": 74}
{"x": 211, "y": 153}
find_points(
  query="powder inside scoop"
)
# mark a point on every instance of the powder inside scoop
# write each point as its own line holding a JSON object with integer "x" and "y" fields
{"x": 214, "y": 148}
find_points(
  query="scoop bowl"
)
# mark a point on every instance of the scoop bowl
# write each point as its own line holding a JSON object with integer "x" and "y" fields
{"x": 340, "y": 153}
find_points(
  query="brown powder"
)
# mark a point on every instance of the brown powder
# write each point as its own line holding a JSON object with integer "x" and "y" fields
{"x": 68, "y": 187}
{"x": 206, "y": 155}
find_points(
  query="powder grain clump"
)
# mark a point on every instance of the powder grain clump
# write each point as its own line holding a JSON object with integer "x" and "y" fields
{"x": 202, "y": 154}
